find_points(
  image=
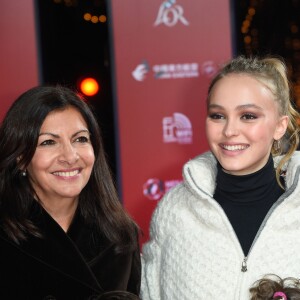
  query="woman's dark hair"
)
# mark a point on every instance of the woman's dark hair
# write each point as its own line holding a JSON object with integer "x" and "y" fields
{"x": 98, "y": 202}
{"x": 265, "y": 288}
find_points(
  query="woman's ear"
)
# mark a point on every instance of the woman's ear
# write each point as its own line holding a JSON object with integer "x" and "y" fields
{"x": 21, "y": 167}
{"x": 281, "y": 127}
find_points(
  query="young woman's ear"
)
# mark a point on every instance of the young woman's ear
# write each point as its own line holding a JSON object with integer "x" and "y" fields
{"x": 281, "y": 127}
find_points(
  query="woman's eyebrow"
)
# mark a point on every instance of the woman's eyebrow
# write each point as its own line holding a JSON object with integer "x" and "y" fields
{"x": 57, "y": 136}
{"x": 250, "y": 105}
{"x": 49, "y": 133}
{"x": 239, "y": 107}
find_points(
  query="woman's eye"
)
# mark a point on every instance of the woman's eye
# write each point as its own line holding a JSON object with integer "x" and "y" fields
{"x": 82, "y": 139}
{"x": 216, "y": 116}
{"x": 47, "y": 143}
{"x": 249, "y": 117}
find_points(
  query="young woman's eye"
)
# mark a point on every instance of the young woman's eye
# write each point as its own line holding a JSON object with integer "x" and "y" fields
{"x": 216, "y": 116}
{"x": 47, "y": 143}
{"x": 82, "y": 139}
{"x": 249, "y": 117}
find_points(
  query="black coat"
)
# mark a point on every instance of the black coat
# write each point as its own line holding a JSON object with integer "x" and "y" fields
{"x": 63, "y": 266}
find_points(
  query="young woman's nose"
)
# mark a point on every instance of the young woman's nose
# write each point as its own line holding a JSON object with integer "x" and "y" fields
{"x": 231, "y": 128}
{"x": 68, "y": 154}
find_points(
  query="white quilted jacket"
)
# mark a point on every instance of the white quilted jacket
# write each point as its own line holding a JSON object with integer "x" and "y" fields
{"x": 193, "y": 252}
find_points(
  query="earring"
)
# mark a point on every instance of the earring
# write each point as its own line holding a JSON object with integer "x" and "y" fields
{"x": 24, "y": 173}
{"x": 277, "y": 145}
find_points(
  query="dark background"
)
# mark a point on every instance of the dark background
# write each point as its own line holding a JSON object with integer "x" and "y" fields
{"x": 71, "y": 47}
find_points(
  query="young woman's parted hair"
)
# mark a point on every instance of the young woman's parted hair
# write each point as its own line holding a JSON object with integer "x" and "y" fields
{"x": 19, "y": 132}
{"x": 272, "y": 73}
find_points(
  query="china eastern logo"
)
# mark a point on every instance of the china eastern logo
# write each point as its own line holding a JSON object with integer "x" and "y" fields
{"x": 170, "y": 71}
{"x": 155, "y": 188}
{"x": 141, "y": 70}
{"x": 177, "y": 129}
{"x": 170, "y": 14}
{"x": 173, "y": 71}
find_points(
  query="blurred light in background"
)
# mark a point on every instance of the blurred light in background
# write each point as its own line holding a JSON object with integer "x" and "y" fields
{"x": 89, "y": 86}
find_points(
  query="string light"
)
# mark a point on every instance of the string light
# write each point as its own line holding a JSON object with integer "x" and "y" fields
{"x": 102, "y": 18}
{"x": 94, "y": 18}
{"x": 87, "y": 16}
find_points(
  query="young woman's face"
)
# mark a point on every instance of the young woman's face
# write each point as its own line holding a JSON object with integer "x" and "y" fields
{"x": 242, "y": 122}
{"x": 64, "y": 157}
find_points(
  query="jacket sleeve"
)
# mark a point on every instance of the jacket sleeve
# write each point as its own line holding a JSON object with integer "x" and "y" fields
{"x": 151, "y": 258}
{"x": 134, "y": 284}
{"x": 150, "y": 272}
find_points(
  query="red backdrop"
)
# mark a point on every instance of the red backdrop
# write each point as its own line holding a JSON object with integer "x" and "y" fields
{"x": 18, "y": 53}
{"x": 166, "y": 53}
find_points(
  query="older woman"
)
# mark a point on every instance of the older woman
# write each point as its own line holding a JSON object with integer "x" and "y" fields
{"x": 64, "y": 234}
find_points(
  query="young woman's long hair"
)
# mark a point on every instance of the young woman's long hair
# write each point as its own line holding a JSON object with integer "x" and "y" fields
{"x": 98, "y": 202}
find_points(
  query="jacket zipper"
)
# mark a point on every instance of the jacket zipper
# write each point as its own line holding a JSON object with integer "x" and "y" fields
{"x": 244, "y": 267}
{"x": 244, "y": 264}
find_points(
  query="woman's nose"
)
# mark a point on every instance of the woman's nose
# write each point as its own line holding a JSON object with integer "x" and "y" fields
{"x": 231, "y": 128}
{"x": 68, "y": 154}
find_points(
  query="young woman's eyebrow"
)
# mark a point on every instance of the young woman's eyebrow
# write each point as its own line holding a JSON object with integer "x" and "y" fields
{"x": 246, "y": 106}
{"x": 240, "y": 107}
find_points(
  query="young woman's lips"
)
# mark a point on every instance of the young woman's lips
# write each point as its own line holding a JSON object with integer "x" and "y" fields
{"x": 234, "y": 147}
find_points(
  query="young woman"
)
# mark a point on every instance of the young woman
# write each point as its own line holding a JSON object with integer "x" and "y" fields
{"x": 236, "y": 215}
{"x": 63, "y": 232}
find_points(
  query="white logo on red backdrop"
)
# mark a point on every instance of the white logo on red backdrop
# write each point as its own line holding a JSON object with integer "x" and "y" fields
{"x": 173, "y": 71}
{"x": 139, "y": 73}
{"x": 170, "y": 14}
{"x": 177, "y": 129}
{"x": 209, "y": 68}
{"x": 155, "y": 188}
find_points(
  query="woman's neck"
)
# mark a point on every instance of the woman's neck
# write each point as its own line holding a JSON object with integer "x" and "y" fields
{"x": 62, "y": 211}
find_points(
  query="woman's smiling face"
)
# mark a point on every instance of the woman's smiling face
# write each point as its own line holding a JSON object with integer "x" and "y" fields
{"x": 242, "y": 122}
{"x": 64, "y": 157}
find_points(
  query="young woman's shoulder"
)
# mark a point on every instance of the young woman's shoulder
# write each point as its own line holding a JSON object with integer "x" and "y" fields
{"x": 291, "y": 169}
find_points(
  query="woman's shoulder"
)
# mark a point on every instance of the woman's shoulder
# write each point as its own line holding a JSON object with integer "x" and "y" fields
{"x": 294, "y": 160}
{"x": 291, "y": 169}
{"x": 171, "y": 209}
{"x": 202, "y": 169}
{"x": 172, "y": 199}
{"x": 200, "y": 173}
{"x": 204, "y": 159}
{"x": 296, "y": 156}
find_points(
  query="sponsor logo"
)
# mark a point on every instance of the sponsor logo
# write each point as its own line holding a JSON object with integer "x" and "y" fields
{"x": 139, "y": 73}
{"x": 175, "y": 70}
{"x": 172, "y": 71}
{"x": 170, "y": 14}
{"x": 177, "y": 129}
{"x": 155, "y": 188}
{"x": 209, "y": 68}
